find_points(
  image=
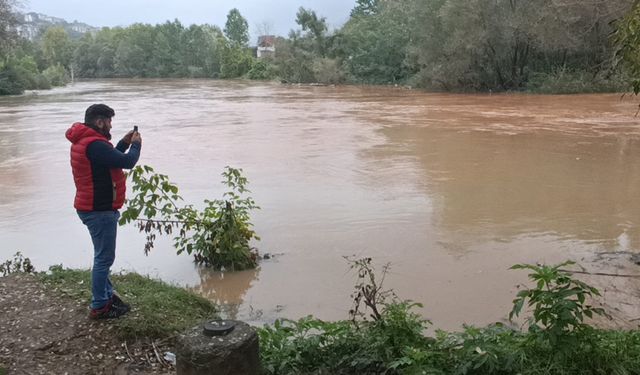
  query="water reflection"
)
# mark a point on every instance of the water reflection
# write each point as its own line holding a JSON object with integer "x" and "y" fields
{"x": 540, "y": 177}
{"x": 227, "y": 289}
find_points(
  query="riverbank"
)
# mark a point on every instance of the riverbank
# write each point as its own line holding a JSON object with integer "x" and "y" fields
{"x": 45, "y": 328}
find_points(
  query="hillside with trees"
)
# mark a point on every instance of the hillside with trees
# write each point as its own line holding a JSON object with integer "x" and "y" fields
{"x": 550, "y": 46}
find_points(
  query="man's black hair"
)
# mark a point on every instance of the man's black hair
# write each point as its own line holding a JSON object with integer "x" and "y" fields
{"x": 96, "y": 112}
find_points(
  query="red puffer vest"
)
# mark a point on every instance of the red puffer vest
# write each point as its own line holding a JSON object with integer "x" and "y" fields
{"x": 81, "y": 136}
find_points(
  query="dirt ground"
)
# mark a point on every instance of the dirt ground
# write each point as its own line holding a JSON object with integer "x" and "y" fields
{"x": 44, "y": 333}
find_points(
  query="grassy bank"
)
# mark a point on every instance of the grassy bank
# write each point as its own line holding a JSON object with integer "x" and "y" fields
{"x": 386, "y": 336}
{"x": 159, "y": 310}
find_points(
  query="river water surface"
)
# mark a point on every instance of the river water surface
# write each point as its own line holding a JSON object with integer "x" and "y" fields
{"x": 450, "y": 189}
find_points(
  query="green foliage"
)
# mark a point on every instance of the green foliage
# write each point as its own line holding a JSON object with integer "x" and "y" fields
{"x": 326, "y": 70}
{"x": 159, "y": 310}
{"x": 236, "y": 28}
{"x": 261, "y": 70}
{"x": 218, "y": 235}
{"x": 560, "y": 46}
{"x": 294, "y": 63}
{"x": 394, "y": 341}
{"x": 563, "y": 81}
{"x": 17, "y": 264}
{"x": 365, "y": 8}
{"x": 313, "y": 346}
{"x": 315, "y": 26}
{"x": 559, "y": 303}
{"x": 236, "y": 61}
{"x": 57, "y": 47}
{"x": 382, "y": 345}
{"x": 11, "y": 83}
{"x": 56, "y": 75}
{"x": 376, "y": 46}
{"x": 627, "y": 41}
{"x": 8, "y": 23}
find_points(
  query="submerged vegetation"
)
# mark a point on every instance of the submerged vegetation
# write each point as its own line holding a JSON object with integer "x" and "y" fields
{"x": 453, "y": 45}
{"x": 217, "y": 236}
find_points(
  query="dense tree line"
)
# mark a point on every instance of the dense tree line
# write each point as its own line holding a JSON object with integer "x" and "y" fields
{"x": 542, "y": 45}
{"x": 471, "y": 44}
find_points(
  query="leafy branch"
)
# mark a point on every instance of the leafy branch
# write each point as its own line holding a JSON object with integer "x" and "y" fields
{"x": 218, "y": 235}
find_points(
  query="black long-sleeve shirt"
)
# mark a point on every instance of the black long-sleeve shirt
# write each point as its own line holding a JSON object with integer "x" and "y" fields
{"x": 103, "y": 158}
{"x": 102, "y": 155}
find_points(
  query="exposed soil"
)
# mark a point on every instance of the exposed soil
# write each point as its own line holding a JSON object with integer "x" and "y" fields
{"x": 46, "y": 333}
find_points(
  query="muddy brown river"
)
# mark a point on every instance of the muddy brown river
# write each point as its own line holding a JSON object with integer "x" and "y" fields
{"x": 450, "y": 189}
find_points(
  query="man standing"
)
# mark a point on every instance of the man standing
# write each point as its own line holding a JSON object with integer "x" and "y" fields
{"x": 100, "y": 193}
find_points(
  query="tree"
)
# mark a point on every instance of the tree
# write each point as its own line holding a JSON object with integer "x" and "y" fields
{"x": 264, "y": 28}
{"x": 375, "y": 47}
{"x": 236, "y": 28}
{"x": 365, "y": 8}
{"x": 84, "y": 62}
{"x": 8, "y": 23}
{"x": 57, "y": 47}
{"x": 627, "y": 41}
{"x": 315, "y": 26}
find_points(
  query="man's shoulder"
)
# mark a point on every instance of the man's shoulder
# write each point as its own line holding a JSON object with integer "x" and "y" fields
{"x": 99, "y": 147}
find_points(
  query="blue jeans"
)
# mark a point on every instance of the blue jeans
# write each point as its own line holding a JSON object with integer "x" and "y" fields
{"x": 103, "y": 227}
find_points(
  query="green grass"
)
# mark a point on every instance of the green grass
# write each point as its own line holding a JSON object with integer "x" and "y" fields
{"x": 558, "y": 341}
{"x": 3, "y": 371}
{"x": 158, "y": 311}
{"x": 396, "y": 345}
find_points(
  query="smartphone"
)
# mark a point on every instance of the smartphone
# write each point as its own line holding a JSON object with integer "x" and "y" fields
{"x": 135, "y": 128}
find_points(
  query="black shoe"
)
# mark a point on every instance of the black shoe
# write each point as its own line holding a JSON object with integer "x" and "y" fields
{"x": 119, "y": 303}
{"x": 109, "y": 311}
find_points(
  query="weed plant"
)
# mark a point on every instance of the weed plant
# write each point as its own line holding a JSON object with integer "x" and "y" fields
{"x": 558, "y": 340}
{"x": 18, "y": 264}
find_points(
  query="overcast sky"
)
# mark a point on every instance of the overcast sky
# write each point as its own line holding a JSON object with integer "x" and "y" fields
{"x": 280, "y": 14}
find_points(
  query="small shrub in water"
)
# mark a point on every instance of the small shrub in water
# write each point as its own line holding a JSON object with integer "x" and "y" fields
{"x": 218, "y": 236}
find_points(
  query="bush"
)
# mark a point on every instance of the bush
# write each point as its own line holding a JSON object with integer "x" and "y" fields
{"x": 10, "y": 81}
{"x": 565, "y": 81}
{"x": 328, "y": 71}
{"x": 218, "y": 236}
{"x": 56, "y": 75}
{"x": 261, "y": 70}
{"x": 236, "y": 62}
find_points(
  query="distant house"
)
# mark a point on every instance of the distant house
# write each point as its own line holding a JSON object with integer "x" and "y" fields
{"x": 266, "y": 46}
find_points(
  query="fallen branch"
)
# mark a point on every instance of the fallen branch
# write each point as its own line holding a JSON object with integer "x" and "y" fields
{"x": 126, "y": 349}
{"x": 160, "y": 359}
{"x": 603, "y": 274}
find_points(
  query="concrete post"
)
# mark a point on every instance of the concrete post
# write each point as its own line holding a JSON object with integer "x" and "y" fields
{"x": 213, "y": 348}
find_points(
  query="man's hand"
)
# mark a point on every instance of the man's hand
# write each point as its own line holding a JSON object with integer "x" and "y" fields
{"x": 135, "y": 137}
{"x": 127, "y": 138}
